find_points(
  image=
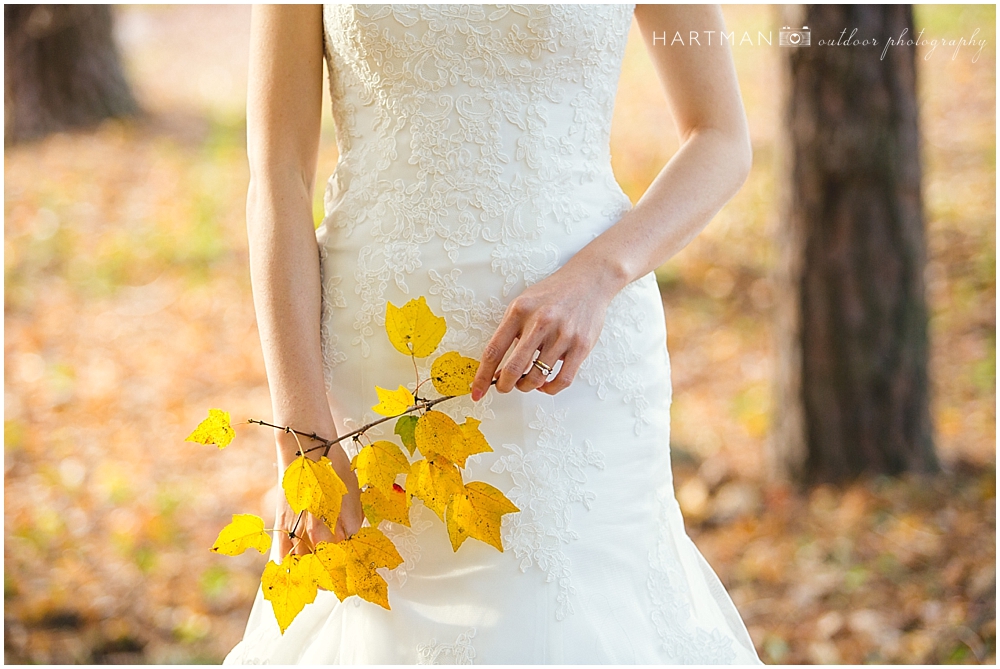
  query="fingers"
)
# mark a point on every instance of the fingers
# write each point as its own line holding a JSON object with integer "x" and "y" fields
{"x": 518, "y": 363}
{"x": 571, "y": 364}
{"x": 495, "y": 349}
{"x": 351, "y": 517}
{"x": 310, "y": 532}
{"x": 345, "y": 527}
{"x": 532, "y": 327}
{"x": 302, "y": 541}
{"x": 547, "y": 357}
{"x": 284, "y": 543}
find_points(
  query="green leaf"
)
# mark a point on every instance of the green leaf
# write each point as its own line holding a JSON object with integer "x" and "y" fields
{"x": 404, "y": 428}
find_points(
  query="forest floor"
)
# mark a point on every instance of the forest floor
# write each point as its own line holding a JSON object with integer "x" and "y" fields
{"x": 128, "y": 314}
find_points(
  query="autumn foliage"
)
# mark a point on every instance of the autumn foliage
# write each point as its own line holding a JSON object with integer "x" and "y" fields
{"x": 128, "y": 314}
{"x": 349, "y": 567}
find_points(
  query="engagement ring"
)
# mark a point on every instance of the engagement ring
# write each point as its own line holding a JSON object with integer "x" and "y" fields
{"x": 542, "y": 367}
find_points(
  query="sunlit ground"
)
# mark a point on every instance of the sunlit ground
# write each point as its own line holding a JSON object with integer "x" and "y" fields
{"x": 128, "y": 314}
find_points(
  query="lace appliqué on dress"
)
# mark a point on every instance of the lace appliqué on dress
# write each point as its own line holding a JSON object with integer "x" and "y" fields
{"x": 407, "y": 543}
{"x": 683, "y": 641}
{"x": 459, "y": 652}
{"x": 249, "y": 650}
{"x": 547, "y": 481}
{"x": 483, "y": 166}
{"x": 332, "y": 298}
{"x": 612, "y": 363}
{"x": 474, "y": 321}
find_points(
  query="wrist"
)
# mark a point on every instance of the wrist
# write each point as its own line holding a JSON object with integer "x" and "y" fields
{"x": 606, "y": 272}
{"x": 287, "y": 452}
{"x": 287, "y": 446}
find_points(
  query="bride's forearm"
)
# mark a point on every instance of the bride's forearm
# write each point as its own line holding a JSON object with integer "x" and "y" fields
{"x": 284, "y": 273}
{"x": 702, "y": 176}
{"x": 702, "y": 94}
{"x": 284, "y": 107}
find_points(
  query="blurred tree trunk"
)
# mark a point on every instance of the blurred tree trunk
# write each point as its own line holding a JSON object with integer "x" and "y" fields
{"x": 61, "y": 70}
{"x": 852, "y": 383}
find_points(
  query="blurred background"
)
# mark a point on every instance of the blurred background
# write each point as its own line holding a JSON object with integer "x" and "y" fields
{"x": 128, "y": 314}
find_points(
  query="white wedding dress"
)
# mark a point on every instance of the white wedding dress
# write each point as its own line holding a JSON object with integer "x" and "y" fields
{"x": 474, "y": 161}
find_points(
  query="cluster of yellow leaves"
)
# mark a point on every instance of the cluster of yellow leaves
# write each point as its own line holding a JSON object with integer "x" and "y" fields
{"x": 348, "y": 567}
{"x": 468, "y": 510}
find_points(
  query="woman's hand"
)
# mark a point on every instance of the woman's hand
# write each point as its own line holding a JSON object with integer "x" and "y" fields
{"x": 560, "y": 318}
{"x": 312, "y": 530}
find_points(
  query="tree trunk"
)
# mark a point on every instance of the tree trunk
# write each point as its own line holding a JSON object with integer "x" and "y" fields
{"x": 852, "y": 383}
{"x": 61, "y": 70}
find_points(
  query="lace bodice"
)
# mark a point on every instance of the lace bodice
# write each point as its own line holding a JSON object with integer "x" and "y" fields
{"x": 430, "y": 92}
{"x": 466, "y": 130}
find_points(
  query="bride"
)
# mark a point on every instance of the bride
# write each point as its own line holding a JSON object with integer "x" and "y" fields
{"x": 474, "y": 170}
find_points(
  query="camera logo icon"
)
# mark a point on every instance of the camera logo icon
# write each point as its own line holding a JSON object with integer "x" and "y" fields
{"x": 789, "y": 37}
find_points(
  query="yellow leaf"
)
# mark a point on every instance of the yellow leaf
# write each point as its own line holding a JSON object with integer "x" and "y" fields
{"x": 314, "y": 486}
{"x": 368, "y": 584}
{"x": 246, "y": 531}
{"x": 289, "y": 587}
{"x": 351, "y": 564}
{"x": 300, "y": 484}
{"x": 317, "y": 572}
{"x": 476, "y": 513}
{"x": 366, "y": 551}
{"x": 414, "y": 329}
{"x": 379, "y": 463}
{"x": 394, "y": 507}
{"x": 474, "y": 442}
{"x": 392, "y": 402}
{"x": 326, "y": 505}
{"x": 334, "y": 560}
{"x": 372, "y": 548}
{"x": 404, "y": 428}
{"x": 437, "y": 434}
{"x": 452, "y": 373}
{"x": 213, "y": 430}
{"x": 434, "y": 481}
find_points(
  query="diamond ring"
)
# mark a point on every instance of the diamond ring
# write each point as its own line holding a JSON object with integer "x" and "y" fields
{"x": 542, "y": 367}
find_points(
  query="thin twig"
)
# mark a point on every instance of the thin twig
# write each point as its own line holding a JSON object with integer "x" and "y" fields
{"x": 424, "y": 404}
{"x": 327, "y": 443}
{"x": 296, "y": 525}
{"x": 287, "y": 430}
{"x": 356, "y": 434}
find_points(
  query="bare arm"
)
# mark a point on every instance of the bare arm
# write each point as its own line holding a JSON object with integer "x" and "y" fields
{"x": 714, "y": 158}
{"x": 284, "y": 106}
{"x": 562, "y": 316}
